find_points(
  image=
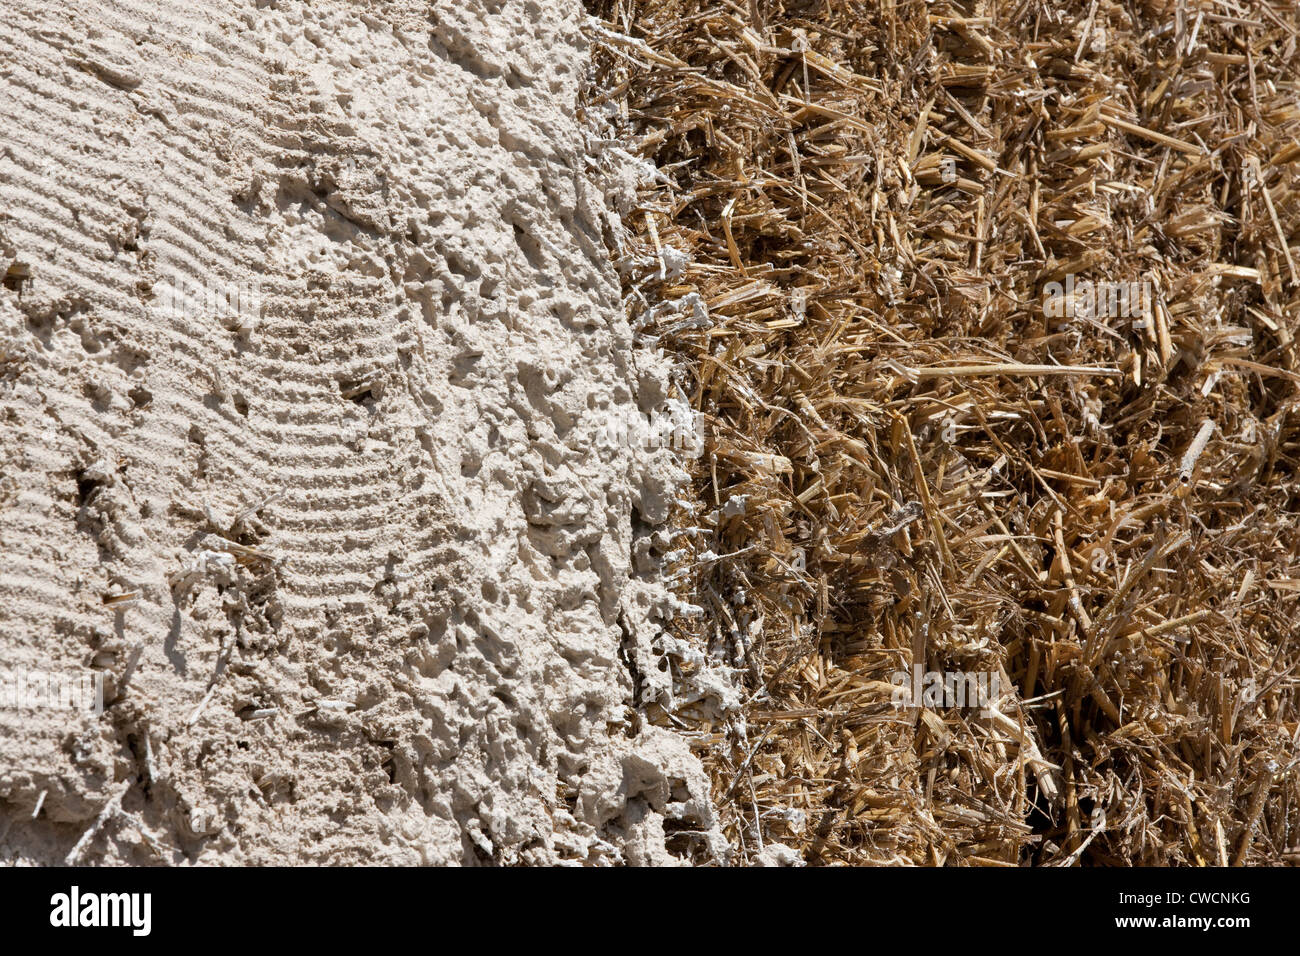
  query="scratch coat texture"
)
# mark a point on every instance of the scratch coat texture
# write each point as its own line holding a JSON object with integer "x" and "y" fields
{"x": 355, "y": 255}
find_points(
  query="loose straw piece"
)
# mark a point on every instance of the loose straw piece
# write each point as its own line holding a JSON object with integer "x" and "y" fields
{"x": 1194, "y": 451}
{"x": 1005, "y": 368}
{"x": 1152, "y": 135}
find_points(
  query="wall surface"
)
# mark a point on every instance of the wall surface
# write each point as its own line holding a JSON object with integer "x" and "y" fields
{"x": 309, "y": 323}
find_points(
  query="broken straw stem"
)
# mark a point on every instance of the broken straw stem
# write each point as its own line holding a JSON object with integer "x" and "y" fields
{"x": 1194, "y": 450}
{"x": 110, "y": 807}
{"x": 1008, "y": 368}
